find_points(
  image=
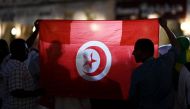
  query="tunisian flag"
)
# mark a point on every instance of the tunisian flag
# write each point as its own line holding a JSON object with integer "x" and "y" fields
{"x": 91, "y": 58}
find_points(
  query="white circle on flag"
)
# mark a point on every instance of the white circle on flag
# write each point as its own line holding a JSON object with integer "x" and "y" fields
{"x": 90, "y": 54}
{"x": 88, "y": 60}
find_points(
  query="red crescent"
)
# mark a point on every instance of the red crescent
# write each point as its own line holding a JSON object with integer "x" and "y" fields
{"x": 102, "y": 61}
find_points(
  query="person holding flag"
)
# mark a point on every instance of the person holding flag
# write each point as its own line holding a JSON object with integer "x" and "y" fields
{"x": 152, "y": 82}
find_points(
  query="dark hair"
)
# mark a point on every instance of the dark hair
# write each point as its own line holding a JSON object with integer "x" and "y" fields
{"x": 145, "y": 45}
{"x": 4, "y": 49}
{"x": 17, "y": 46}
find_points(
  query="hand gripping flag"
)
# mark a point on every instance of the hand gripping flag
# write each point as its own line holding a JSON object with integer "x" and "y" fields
{"x": 91, "y": 58}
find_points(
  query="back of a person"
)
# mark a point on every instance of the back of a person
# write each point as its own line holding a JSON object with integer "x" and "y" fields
{"x": 155, "y": 85}
{"x": 152, "y": 82}
{"x": 183, "y": 95}
{"x": 10, "y": 102}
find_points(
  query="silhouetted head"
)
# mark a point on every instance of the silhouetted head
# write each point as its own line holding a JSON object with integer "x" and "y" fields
{"x": 54, "y": 51}
{"x": 144, "y": 49}
{"x": 19, "y": 49}
{"x": 4, "y": 49}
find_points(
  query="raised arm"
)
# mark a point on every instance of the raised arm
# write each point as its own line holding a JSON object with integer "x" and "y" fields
{"x": 30, "y": 41}
{"x": 170, "y": 34}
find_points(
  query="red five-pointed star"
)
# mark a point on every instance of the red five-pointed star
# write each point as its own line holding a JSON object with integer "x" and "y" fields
{"x": 89, "y": 62}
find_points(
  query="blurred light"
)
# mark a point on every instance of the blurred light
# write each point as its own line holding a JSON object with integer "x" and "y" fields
{"x": 16, "y": 31}
{"x": 58, "y": 17}
{"x": 133, "y": 17}
{"x": 79, "y": 15}
{"x": 94, "y": 27}
{"x": 185, "y": 26}
{"x": 33, "y": 29}
{"x": 100, "y": 16}
{"x": 152, "y": 16}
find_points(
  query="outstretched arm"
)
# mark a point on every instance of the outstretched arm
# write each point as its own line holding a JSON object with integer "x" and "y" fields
{"x": 30, "y": 41}
{"x": 170, "y": 34}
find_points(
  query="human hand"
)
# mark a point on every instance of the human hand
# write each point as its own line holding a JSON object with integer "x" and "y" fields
{"x": 36, "y": 24}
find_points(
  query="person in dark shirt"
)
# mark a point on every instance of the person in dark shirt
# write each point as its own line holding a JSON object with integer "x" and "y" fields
{"x": 152, "y": 83}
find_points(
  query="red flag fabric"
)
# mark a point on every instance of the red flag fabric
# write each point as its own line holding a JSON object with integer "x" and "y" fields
{"x": 91, "y": 58}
